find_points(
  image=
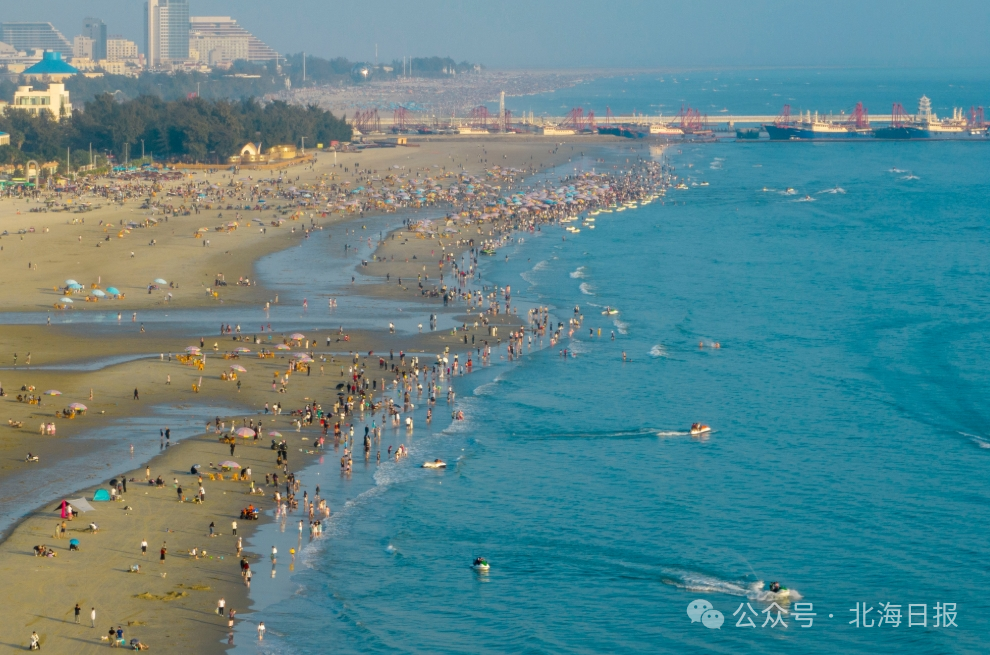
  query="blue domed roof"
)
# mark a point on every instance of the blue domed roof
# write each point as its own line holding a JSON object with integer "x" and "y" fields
{"x": 51, "y": 64}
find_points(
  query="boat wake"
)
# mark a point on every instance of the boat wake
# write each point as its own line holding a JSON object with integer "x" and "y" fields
{"x": 586, "y": 289}
{"x": 910, "y": 177}
{"x": 579, "y": 273}
{"x": 837, "y": 189}
{"x": 622, "y": 327}
{"x": 701, "y": 583}
{"x": 658, "y": 351}
{"x": 981, "y": 442}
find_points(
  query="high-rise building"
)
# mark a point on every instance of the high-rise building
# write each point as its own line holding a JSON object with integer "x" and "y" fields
{"x": 82, "y": 47}
{"x": 166, "y": 31}
{"x": 96, "y": 29}
{"x": 121, "y": 49}
{"x": 35, "y": 36}
{"x": 223, "y": 36}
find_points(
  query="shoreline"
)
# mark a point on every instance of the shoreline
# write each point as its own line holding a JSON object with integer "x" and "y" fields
{"x": 366, "y": 341}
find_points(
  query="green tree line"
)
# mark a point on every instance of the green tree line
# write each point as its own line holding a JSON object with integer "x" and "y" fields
{"x": 190, "y": 129}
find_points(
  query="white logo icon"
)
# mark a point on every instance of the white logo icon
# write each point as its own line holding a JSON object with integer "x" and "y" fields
{"x": 697, "y": 608}
{"x": 712, "y": 619}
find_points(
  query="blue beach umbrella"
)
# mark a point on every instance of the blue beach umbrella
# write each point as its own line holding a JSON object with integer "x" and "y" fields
{"x": 98, "y": 293}
{"x": 113, "y": 290}
{"x": 160, "y": 281}
{"x": 71, "y": 282}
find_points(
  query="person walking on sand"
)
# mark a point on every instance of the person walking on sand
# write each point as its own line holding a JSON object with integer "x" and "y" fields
{"x": 261, "y": 631}
{"x": 162, "y": 560}
{"x": 220, "y": 605}
{"x": 92, "y": 613}
{"x": 233, "y": 527}
{"x": 78, "y": 611}
{"x": 136, "y": 397}
{"x": 144, "y": 547}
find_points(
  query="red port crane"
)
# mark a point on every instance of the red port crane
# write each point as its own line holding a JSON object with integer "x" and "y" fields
{"x": 399, "y": 117}
{"x": 690, "y": 119}
{"x": 479, "y": 117}
{"x": 860, "y": 118}
{"x": 784, "y": 118}
{"x": 899, "y": 117}
{"x": 976, "y": 118}
{"x": 367, "y": 121}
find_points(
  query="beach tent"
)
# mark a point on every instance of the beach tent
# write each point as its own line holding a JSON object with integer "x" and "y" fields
{"x": 101, "y": 495}
{"x": 80, "y": 504}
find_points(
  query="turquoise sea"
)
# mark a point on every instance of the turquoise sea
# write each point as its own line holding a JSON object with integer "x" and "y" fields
{"x": 850, "y": 436}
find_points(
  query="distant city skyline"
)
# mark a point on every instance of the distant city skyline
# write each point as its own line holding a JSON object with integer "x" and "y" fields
{"x": 582, "y": 34}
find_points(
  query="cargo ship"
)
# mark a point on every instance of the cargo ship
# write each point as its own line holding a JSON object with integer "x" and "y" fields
{"x": 813, "y": 127}
{"x": 661, "y": 129}
{"x": 927, "y": 125}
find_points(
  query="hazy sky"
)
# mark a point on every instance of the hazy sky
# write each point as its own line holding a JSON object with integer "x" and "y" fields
{"x": 585, "y": 33}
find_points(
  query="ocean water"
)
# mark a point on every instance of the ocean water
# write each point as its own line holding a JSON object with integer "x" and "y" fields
{"x": 847, "y": 458}
{"x": 764, "y": 92}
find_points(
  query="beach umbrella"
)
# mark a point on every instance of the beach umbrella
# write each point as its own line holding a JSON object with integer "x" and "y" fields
{"x": 274, "y": 433}
{"x": 53, "y": 392}
{"x": 282, "y": 346}
{"x": 297, "y": 336}
{"x": 238, "y": 368}
{"x": 158, "y": 280}
{"x": 242, "y": 349}
{"x": 98, "y": 293}
{"x": 76, "y": 286}
{"x": 78, "y": 407}
{"x": 244, "y": 432}
{"x": 68, "y": 300}
{"x": 192, "y": 349}
{"x": 229, "y": 464}
{"x": 303, "y": 358}
{"x": 71, "y": 282}
{"x": 114, "y": 290}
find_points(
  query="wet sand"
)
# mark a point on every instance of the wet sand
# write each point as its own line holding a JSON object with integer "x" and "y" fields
{"x": 97, "y": 575}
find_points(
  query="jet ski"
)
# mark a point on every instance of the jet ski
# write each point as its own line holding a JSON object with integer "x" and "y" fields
{"x": 777, "y": 591}
{"x": 699, "y": 428}
{"x": 435, "y": 464}
{"x": 480, "y": 564}
{"x": 610, "y": 311}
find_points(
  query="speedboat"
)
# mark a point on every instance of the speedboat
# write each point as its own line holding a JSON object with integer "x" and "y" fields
{"x": 435, "y": 464}
{"x": 699, "y": 428}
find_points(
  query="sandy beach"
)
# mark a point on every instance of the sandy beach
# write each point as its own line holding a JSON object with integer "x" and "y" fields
{"x": 102, "y": 368}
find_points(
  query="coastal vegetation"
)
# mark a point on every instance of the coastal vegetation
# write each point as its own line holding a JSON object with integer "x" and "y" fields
{"x": 188, "y": 130}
